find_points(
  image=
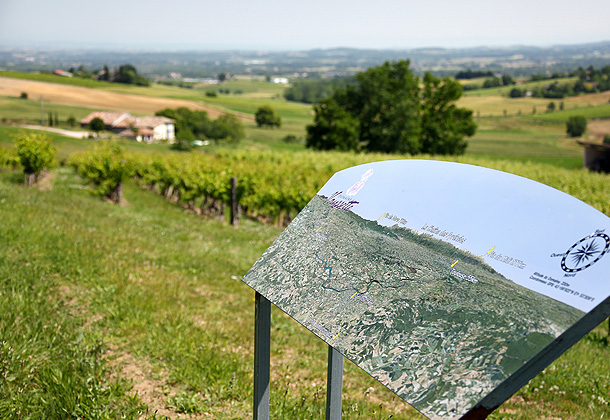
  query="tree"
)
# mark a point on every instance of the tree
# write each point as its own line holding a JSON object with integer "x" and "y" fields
{"x": 385, "y": 101}
{"x": 36, "y": 154}
{"x": 227, "y": 127}
{"x": 333, "y": 129}
{"x": 492, "y": 82}
{"x": 516, "y": 93}
{"x": 222, "y": 77}
{"x": 576, "y": 126}
{"x": 97, "y": 124}
{"x": 71, "y": 120}
{"x": 550, "y": 107}
{"x": 129, "y": 75}
{"x": 386, "y": 110}
{"x": 444, "y": 125}
{"x": 507, "y": 80}
{"x": 267, "y": 117}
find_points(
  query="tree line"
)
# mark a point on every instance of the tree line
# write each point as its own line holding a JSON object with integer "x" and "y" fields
{"x": 125, "y": 73}
{"x": 389, "y": 109}
{"x": 311, "y": 91}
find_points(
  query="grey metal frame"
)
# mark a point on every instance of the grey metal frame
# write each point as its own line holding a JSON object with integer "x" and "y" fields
{"x": 262, "y": 355}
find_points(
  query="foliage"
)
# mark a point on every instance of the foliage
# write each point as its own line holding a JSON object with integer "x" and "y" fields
{"x": 106, "y": 166}
{"x": 311, "y": 91}
{"x": 192, "y": 125}
{"x": 129, "y": 75}
{"x": 387, "y": 111}
{"x": 606, "y": 139}
{"x": 444, "y": 125}
{"x": 9, "y": 158}
{"x": 472, "y": 74}
{"x": 516, "y": 93}
{"x": 36, "y": 153}
{"x": 227, "y": 127}
{"x": 97, "y": 124}
{"x": 267, "y": 117}
{"x": 71, "y": 120}
{"x": 492, "y": 82}
{"x": 290, "y": 138}
{"x": 23, "y": 95}
{"x": 334, "y": 128}
{"x": 576, "y": 126}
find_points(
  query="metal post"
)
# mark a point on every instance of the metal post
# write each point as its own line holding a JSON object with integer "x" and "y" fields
{"x": 233, "y": 201}
{"x": 334, "y": 384}
{"x": 262, "y": 354}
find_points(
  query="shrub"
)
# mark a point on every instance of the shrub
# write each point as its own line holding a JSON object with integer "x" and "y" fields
{"x": 9, "y": 158}
{"x": 607, "y": 139}
{"x": 23, "y": 95}
{"x": 267, "y": 117}
{"x": 290, "y": 138}
{"x": 211, "y": 94}
{"x": 576, "y": 126}
{"x": 36, "y": 154}
{"x": 97, "y": 124}
{"x": 106, "y": 167}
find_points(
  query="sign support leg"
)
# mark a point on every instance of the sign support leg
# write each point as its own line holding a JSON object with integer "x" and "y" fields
{"x": 334, "y": 384}
{"x": 262, "y": 354}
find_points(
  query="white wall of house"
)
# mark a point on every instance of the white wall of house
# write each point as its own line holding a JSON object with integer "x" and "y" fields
{"x": 164, "y": 132}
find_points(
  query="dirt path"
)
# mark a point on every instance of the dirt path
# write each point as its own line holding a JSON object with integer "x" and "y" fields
{"x": 66, "y": 133}
{"x": 99, "y": 99}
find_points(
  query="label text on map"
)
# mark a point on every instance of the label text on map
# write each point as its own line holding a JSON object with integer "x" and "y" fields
{"x": 340, "y": 201}
{"x": 507, "y": 260}
{"x": 443, "y": 233}
{"x": 459, "y": 275}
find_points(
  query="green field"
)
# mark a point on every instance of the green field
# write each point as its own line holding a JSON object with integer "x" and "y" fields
{"x": 29, "y": 110}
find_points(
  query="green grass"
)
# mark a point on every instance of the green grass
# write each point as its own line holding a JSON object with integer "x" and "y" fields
{"x": 515, "y": 138}
{"x": 589, "y": 112}
{"x": 66, "y": 146}
{"x": 93, "y": 291}
{"x": 52, "y": 78}
{"x": 28, "y": 110}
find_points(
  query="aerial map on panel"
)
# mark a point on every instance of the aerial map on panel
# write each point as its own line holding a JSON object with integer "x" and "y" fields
{"x": 436, "y": 293}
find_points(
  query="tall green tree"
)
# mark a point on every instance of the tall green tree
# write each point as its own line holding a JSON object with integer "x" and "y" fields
{"x": 389, "y": 109}
{"x": 444, "y": 126}
{"x": 334, "y": 128}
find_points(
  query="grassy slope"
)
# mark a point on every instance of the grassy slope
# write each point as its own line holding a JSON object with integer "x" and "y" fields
{"x": 148, "y": 288}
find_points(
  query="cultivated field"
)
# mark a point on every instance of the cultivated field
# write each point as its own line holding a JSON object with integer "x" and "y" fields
{"x": 99, "y": 99}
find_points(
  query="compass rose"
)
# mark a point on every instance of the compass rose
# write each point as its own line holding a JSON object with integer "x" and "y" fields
{"x": 586, "y": 252}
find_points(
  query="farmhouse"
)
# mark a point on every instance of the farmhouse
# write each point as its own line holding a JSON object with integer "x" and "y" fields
{"x": 147, "y": 129}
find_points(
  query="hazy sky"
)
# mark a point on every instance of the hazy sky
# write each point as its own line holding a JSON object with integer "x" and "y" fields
{"x": 274, "y": 24}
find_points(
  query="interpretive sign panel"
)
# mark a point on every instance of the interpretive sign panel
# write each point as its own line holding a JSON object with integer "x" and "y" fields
{"x": 440, "y": 280}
